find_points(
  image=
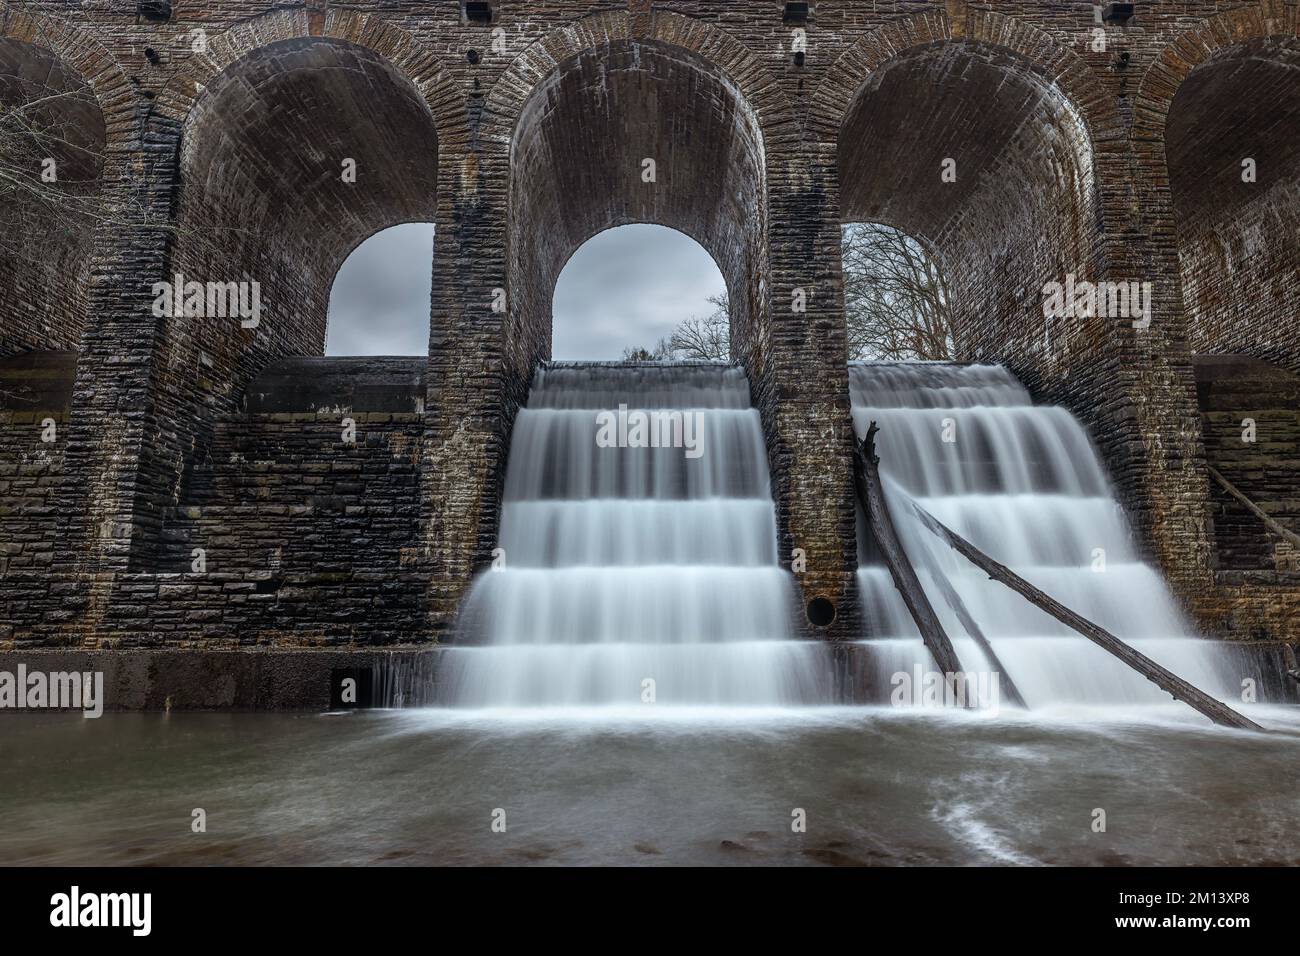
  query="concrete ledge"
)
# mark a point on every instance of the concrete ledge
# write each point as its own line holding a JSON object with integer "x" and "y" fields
{"x": 34, "y": 382}
{"x": 336, "y": 385}
{"x": 308, "y": 679}
{"x": 256, "y": 679}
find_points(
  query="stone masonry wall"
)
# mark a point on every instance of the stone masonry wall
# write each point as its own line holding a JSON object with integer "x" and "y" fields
{"x": 35, "y": 389}
{"x": 235, "y": 111}
{"x": 1251, "y": 415}
{"x": 291, "y": 534}
{"x": 1234, "y": 167}
{"x": 45, "y": 249}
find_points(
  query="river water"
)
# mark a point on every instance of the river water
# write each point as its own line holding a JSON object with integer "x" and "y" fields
{"x": 878, "y": 786}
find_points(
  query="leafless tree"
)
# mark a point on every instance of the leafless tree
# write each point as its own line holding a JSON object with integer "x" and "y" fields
{"x": 49, "y": 165}
{"x": 51, "y": 157}
{"x": 641, "y": 354}
{"x": 706, "y": 338}
{"x": 896, "y": 305}
{"x": 895, "y": 298}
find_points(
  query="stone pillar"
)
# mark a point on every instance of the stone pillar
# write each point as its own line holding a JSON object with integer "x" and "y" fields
{"x": 799, "y": 375}
{"x": 478, "y": 375}
{"x": 1135, "y": 389}
{"x": 110, "y": 500}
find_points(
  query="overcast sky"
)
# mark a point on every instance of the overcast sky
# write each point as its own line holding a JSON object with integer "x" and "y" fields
{"x": 626, "y": 287}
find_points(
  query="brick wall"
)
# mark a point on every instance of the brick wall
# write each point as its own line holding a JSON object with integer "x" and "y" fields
{"x": 35, "y": 389}
{"x": 1061, "y": 154}
{"x": 305, "y": 538}
{"x": 1250, "y": 411}
{"x": 1234, "y": 168}
{"x": 45, "y": 251}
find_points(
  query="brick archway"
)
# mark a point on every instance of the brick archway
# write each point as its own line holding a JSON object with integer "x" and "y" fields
{"x": 71, "y": 107}
{"x": 395, "y": 45}
{"x": 1223, "y": 90}
{"x": 280, "y": 213}
{"x": 1089, "y": 150}
{"x": 1197, "y": 45}
{"x": 1054, "y": 63}
{"x": 509, "y": 93}
{"x": 740, "y": 86}
{"x": 1153, "y": 449}
{"x": 754, "y": 207}
{"x": 1074, "y": 143}
{"x": 81, "y": 52}
{"x": 1191, "y": 132}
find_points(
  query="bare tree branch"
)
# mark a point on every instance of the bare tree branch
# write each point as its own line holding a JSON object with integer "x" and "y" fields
{"x": 705, "y": 338}
{"x": 895, "y": 305}
{"x": 51, "y": 157}
{"x": 895, "y": 299}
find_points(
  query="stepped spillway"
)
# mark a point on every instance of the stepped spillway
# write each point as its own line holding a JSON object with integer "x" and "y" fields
{"x": 1024, "y": 484}
{"x": 627, "y": 565}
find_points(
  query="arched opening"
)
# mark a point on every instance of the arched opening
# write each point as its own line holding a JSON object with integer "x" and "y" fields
{"x": 968, "y": 150}
{"x": 896, "y": 304}
{"x": 379, "y": 301}
{"x": 290, "y": 157}
{"x": 1232, "y": 143}
{"x": 640, "y": 292}
{"x": 675, "y": 144}
{"x": 52, "y": 136}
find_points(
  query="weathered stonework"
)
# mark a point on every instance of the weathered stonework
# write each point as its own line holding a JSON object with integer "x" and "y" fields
{"x": 1250, "y": 412}
{"x": 220, "y": 137}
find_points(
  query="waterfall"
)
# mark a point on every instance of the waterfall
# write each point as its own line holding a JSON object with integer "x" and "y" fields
{"x": 635, "y": 573}
{"x": 1024, "y": 484}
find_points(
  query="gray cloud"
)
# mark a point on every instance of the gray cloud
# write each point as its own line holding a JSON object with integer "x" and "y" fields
{"x": 380, "y": 301}
{"x": 625, "y": 287}
{"x": 630, "y": 286}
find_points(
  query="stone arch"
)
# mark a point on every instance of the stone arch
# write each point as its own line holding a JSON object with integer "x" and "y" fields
{"x": 263, "y": 122}
{"x": 677, "y": 53}
{"x": 394, "y": 44}
{"x": 391, "y": 50}
{"x": 1054, "y": 63}
{"x": 1070, "y": 218}
{"x": 744, "y": 68}
{"x": 81, "y": 103}
{"x": 1000, "y": 241}
{"x": 1197, "y": 115}
{"x": 81, "y": 52}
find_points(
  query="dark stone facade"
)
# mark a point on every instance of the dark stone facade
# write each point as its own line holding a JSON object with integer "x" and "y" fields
{"x": 1250, "y": 414}
{"x": 219, "y": 138}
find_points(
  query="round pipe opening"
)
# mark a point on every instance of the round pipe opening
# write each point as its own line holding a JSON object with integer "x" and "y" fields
{"x": 821, "y": 612}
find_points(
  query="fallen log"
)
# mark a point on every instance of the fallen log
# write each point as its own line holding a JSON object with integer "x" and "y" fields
{"x": 1166, "y": 680}
{"x": 1270, "y": 522}
{"x": 1005, "y": 683}
{"x": 872, "y": 493}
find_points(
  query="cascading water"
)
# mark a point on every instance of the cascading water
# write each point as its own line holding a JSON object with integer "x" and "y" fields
{"x": 624, "y": 565}
{"x": 1024, "y": 484}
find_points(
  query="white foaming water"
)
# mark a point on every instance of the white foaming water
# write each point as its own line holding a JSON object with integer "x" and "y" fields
{"x": 1026, "y": 486}
{"x": 624, "y": 565}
